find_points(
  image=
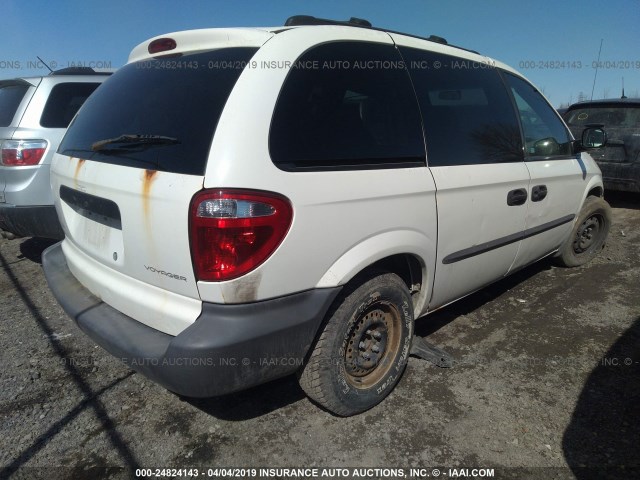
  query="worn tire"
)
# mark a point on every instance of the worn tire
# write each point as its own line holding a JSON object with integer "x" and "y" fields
{"x": 588, "y": 235}
{"x": 363, "y": 348}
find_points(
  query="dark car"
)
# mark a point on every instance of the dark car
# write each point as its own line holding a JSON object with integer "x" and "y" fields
{"x": 620, "y": 159}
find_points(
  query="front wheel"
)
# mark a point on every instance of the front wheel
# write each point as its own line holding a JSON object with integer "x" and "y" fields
{"x": 363, "y": 348}
{"x": 588, "y": 235}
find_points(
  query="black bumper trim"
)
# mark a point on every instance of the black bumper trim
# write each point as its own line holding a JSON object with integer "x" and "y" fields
{"x": 31, "y": 221}
{"x": 228, "y": 348}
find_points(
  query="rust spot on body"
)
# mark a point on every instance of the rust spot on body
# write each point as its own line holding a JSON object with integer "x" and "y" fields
{"x": 147, "y": 179}
{"x": 78, "y": 167}
{"x": 247, "y": 290}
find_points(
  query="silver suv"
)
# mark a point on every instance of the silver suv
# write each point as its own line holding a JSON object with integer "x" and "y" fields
{"x": 34, "y": 115}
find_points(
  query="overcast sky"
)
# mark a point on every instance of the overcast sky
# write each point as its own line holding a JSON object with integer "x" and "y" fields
{"x": 555, "y": 44}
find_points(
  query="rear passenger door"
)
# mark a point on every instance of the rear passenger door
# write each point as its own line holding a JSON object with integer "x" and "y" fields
{"x": 557, "y": 175}
{"x": 474, "y": 152}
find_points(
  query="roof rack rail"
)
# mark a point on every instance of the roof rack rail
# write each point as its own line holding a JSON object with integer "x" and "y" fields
{"x": 78, "y": 71}
{"x": 300, "y": 20}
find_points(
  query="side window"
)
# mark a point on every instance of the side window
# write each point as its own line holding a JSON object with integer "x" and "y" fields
{"x": 544, "y": 133}
{"x": 64, "y": 102}
{"x": 467, "y": 113}
{"x": 10, "y": 98}
{"x": 347, "y": 105}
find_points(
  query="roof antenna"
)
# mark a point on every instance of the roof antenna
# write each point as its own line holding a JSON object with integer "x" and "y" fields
{"x": 43, "y": 62}
{"x": 597, "y": 65}
{"x": 623, "y": 95}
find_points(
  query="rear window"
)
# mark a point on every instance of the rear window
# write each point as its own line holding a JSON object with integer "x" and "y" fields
{"x": 10, "y": 98}
{"x": 180, "y": 99}
{"x": 626, "y": 116}
{"x": 64, "y": 102}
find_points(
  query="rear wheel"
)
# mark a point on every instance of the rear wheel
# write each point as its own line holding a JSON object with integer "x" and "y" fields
{"x": 363, "y": 348}
{"x": 588, "y": 235}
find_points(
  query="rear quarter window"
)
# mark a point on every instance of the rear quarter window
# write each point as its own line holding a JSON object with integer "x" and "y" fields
{"x": 347, "y": 105}
{"x": 64, "y": 102}
{"x": 10, "y": 98}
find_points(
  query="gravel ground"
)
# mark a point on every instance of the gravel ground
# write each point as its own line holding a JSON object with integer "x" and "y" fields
{"x": 546, "y": 385}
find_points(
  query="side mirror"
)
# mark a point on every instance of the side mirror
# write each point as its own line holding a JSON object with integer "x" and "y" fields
{"x": 594, "y": 137}
{"x": 546, "y": 147}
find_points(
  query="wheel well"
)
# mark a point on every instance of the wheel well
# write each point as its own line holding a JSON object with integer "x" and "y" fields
{"x": 596, "y": 192}
{"x": 406, "y": 266}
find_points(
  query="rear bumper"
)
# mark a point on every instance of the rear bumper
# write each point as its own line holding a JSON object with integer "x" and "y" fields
{"x": 31, "y": 221}
{"x": 228, "y": 348}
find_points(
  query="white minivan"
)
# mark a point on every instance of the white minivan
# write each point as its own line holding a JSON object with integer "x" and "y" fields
{"x": 241, "y": 204}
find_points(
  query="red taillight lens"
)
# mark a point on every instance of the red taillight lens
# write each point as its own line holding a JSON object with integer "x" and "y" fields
{"x": 234, "y": 231}
{"x": 18, "y": 153}
{"x": 161, "y": 45}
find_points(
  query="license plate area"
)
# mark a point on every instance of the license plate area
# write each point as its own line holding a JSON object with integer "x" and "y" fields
{"x": 100, "y": 210}
{"x": 94, "y": 224}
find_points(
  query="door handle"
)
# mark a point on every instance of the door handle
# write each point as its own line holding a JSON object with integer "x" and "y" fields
{"x": 517, "y": 197}
{"x": 538, "y": 193}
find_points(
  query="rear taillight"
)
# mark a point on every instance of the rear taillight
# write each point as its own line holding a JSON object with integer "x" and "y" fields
{"x": 18, "y": 153}
{"x": 234, "y": 231}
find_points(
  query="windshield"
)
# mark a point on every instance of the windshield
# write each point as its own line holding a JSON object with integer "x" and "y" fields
{"x": 609, "y": 116}
{"x": 178, "y": 98}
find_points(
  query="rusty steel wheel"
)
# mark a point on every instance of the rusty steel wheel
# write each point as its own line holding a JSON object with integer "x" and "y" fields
{"x": 373, "y": 338}
{"x": 588, "y": 235}
{"x": 363, "y": 347}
